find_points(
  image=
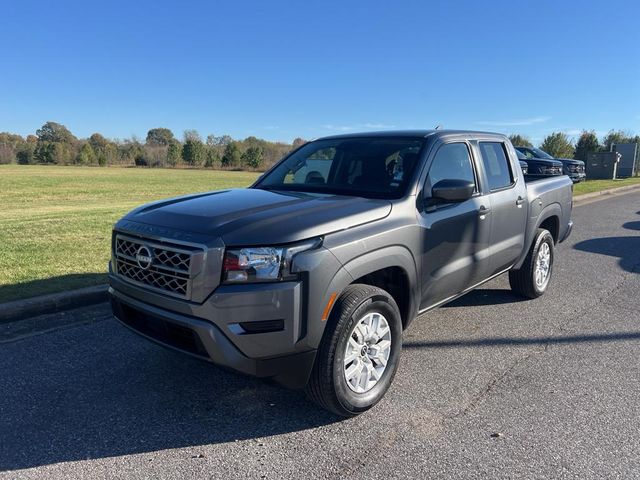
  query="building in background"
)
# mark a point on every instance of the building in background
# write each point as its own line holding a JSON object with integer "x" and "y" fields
{"x": 627, "y": 165}
{"x": 602, "y": 165}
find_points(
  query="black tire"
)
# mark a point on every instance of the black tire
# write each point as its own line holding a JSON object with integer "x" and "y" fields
{"x": 522, "y": 281}
{"x": 327, "y": 385}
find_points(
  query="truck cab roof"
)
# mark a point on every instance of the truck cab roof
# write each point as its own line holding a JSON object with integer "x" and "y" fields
{"x": 418, "y": 133}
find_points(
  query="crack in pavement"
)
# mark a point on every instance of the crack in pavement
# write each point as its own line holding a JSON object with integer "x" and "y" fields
{"x": 576, "y": 314}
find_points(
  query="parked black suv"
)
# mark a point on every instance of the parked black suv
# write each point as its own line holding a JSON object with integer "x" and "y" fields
{"x": 539, "y": 167}
{"x": 574, "y": 169}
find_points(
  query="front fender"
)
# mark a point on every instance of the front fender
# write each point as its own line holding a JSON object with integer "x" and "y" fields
{"x": 372, "y": 261}
{"x": 393, "y": 256}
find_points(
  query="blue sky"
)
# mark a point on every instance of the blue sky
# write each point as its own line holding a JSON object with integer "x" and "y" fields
{"x": 279, "y": 70}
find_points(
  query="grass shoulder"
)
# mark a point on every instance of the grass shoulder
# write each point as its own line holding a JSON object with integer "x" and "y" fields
{"x": 590, "y": 186}
{"x": 55, "y": 221}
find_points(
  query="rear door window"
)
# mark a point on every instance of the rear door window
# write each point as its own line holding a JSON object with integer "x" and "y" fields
{"x": 496, "y": 165}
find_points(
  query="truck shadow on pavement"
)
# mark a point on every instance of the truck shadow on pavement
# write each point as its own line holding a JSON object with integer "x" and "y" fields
{"x": 627, "y": 249}
{"x": 98, "y": 391}
{"x": 632, "y": 225}
{"x": 524, "y": 341}
{"x": 485, "y": 296}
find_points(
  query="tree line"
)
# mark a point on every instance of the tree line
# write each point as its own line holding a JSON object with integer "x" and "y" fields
{"x": 558, "y": 144}
{"x": 54, "y": 144}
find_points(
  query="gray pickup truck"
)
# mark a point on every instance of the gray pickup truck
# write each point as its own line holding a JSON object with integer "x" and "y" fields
{"x": 311, "y": 275}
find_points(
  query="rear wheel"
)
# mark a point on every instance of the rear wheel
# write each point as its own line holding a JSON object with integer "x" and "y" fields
{"x": 360, "y": 352}
{"x": 533, "y": 278}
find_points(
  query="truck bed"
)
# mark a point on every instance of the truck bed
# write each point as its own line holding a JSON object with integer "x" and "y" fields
{"x": 550, "y": 194}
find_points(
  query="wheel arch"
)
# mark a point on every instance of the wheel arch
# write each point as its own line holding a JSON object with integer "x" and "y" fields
{"x": 394, "y": 270}
{"x": 549, "y": 219}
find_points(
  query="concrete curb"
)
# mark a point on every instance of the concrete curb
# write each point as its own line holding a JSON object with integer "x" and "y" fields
{"x": 610, "y": 191}
{"x": 55, "y": 302}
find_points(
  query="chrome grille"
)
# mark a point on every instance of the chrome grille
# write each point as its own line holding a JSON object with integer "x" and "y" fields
{"x": 156, "y": 265}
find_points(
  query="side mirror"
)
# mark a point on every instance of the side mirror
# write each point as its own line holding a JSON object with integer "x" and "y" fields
{"x": 451, "y": 190}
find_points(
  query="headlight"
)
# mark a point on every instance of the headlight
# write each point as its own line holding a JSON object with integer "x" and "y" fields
{"x": 551, "y": 170}
{"x": 262, "y": 264}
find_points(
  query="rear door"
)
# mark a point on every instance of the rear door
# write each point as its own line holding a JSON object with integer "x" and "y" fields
{"x": 455, "y": 236}
{"x": 508, "y": 200}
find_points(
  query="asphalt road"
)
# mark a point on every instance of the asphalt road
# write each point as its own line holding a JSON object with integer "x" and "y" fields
{"x": 489, "y": 386}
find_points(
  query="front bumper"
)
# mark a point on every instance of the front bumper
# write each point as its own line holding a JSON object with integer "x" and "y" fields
{"x": 212, "y": 331}
{"x": 577, "y": 177}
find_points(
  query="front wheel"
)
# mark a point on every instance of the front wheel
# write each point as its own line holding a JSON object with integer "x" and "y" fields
{"x": 359, "y": 353}
{"x": 532, "y": 279}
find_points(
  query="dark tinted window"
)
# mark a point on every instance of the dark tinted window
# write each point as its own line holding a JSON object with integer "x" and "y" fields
{"x": 532, "y": 152}
{"x": 452, "y": 162}
{"x": 368, "y": 167}
{"x": 496, "y": 165}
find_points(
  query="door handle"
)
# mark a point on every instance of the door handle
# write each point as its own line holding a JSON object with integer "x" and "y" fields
{"x": 519, "y": 201}
{"x": 483, "y": 212}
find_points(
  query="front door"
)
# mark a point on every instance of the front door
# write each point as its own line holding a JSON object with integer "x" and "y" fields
{"x": 456, "y": 234}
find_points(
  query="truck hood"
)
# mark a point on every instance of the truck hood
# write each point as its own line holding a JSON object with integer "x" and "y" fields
{"x": 260, "y": 217}
{"x": 543, "y": 161}
{"x": 570, "y": 161}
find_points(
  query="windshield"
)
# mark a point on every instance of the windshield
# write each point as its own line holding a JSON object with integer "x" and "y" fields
{"x": 532, "y": 152}
{"x": 370, "y": 167}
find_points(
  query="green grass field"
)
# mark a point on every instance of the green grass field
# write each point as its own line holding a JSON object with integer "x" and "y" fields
{"x": 55, "y": 222}
{"x": 596, "y": 185}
